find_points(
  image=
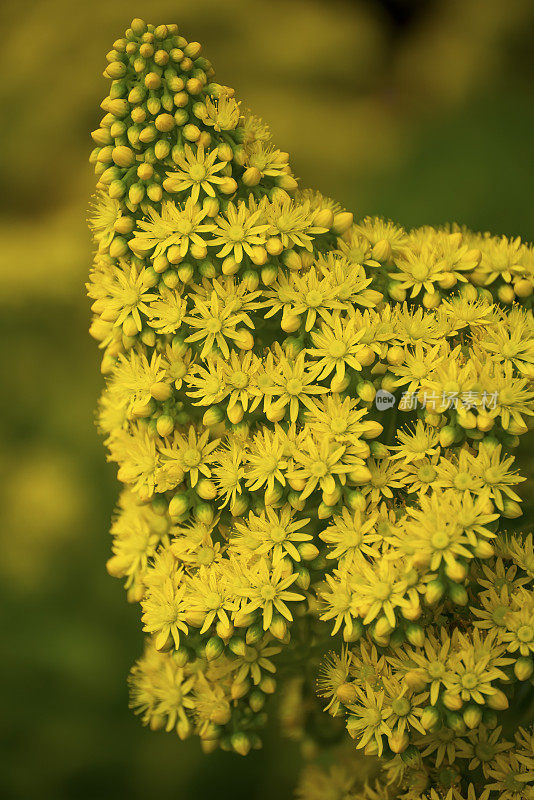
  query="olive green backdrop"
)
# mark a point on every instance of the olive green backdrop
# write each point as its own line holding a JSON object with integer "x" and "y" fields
{"x": 421, "y": 111}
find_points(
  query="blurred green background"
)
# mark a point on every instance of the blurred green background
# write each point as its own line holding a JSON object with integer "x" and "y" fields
{"x": 421, "y": 111}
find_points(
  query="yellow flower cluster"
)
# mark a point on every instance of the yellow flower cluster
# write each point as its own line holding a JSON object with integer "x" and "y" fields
{"x": 313, "y": 420}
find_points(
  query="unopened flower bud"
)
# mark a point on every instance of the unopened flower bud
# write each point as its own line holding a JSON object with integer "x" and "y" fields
{"x": 342, "y": 222}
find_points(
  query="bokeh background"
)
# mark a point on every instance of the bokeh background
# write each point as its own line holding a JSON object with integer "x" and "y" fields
{"x": 421, "y": 111}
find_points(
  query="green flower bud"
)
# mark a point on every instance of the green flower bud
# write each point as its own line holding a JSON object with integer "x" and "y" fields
{"x": 430, "y": 718}
{"x": 452, "y": 701}
{"x": 267, "y": 684}
{"x": 447, "y": 435}
{"x": 524, "y": 668}
{"x": 455, "y": 722}
{"x": 206, "y": 489}
{"x": 179, "y": 504}
{"x": 102, "y": 137}
{"x": 241, "y": 743}
{"x": 118, "y": 107}
{"x": 342, "y": 222}
{"x": 472, "y": 716}
{"x": 214, "y": 648}
{"x": 136, "y": 193}
{"x": 366, "y": 391}
{"x": 256, "y": 700}
{"x": 434, "y": 592}
{"x": 278, "y": 627}
{"x": 511, "y": 509}
{"x": 308, "y": 551}
{"x": 398, "y": 741}
{"x": 165, "y": 425}
{"x": 203, "y": 512}
{"x": 458, "y": 594}
{"x": 498, "y": 701}
{"x": 304, "y": 578}
{"x": 415, "y": 635}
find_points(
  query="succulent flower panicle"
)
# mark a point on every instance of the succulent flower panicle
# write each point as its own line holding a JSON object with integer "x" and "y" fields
{"x": 273, "y": 512}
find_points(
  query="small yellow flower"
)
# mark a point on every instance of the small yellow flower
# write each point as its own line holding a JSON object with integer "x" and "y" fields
{"x": 191, "y": 455}
{"x": 213, "y": 323}
{"x": 351, "y": 536}
{"x": 319, "y": 465}
{"x": 266, "y": 460}
{"x": 164, "y": 611}
{"x": 198, "y": 172}
{"x": 337, "y": 345}
{"x": 293, "y": 382}
{"x": 268, "y": 589}
{"x": 223, "y": 113}
{"x": 176, "y": 226}
{"x": 368, "y": 720}
{"x": 239, "y": 230}
{"x": 166, "y": 315}
{"x": 420, "y": 270}
{"x": 273, "y": 533}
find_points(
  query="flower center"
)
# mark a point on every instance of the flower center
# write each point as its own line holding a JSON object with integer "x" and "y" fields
{"x": 178, "y": 369}
{"x": 499, "y": 614}
{"x": 338, "y": 426}
{"x": 374, "y": 718}
{"x": 270, "y": 464}
{"x": 354, "y": 538}
{"x": 420, "y": 272}
{"x": 251, "y": 654}
{"x": 184, "y": 227}
{"x": 236, "y": 233}
{"x": 436, "y": 669}
{"x": 440, "y": 540}
{"x": 337, "y": 349}
{"x": 484, "y": 751}
{"x": 426, "y": 474}
{"x": 469, "y": 680}
{"x": 462, "y": 480}
{"x": 401, "y": 707}
{"x": 213, "y": 325}
{"x": 314, "y": 299}
{"x": 212, "y": 600}
{"x": 278, "y": 534}
{"x": 319, "y": 469}
{"x": 191, "y": 457}
{"x": 268, "y": 593}
{"x": 198, "y": 172}
{"x": 525, "y": 633}
{"x": 382, "y": 590}
{"x": 131, "y": 296}
{"x": 294, "y": 386}
{"x": 239, "y": 379}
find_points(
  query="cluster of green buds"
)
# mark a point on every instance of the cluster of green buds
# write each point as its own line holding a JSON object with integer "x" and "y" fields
{"x": 313, "y": 420}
